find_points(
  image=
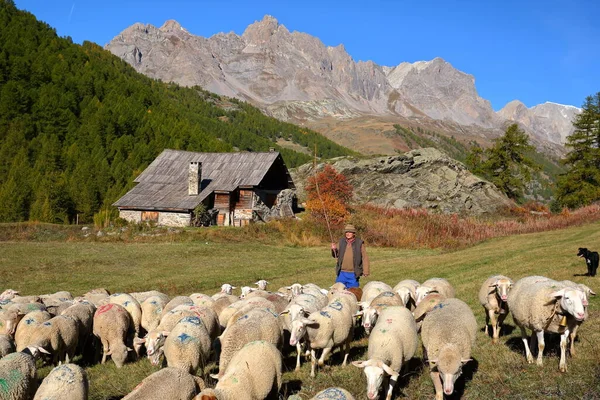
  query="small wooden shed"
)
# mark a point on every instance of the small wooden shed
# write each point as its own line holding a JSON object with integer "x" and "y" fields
{"x": 176, "y": 182}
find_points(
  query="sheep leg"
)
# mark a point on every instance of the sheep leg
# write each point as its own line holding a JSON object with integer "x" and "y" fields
{"x": 541, "y": 346}
{"x": 500, "y": 323}
{"x": 104, "y": 350}
{"x": 487, "y": 320}
{"x": 437, "y": 384}
{"x": 563, "y": 350}
{"x": 326, "y": 351}
{"x": 298, "y": 353}
{"x": 524, "y": 339}
{"x": 492, "y": 317}
{"x": 347, "y": 348}
{"x": 391, "y": 387}
{"x": 313, "y": 363}
{"x": 572, "y": 337}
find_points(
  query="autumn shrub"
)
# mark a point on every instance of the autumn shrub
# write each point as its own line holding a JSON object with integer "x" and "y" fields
{"x": 328, "y": 196}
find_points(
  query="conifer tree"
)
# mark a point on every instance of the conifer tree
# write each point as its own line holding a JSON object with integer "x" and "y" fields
{"x": 581, "y": 184}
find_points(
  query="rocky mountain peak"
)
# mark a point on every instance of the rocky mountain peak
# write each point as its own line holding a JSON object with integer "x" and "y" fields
{"x": 171, "y": 25}
{"x": 260, "y": 32}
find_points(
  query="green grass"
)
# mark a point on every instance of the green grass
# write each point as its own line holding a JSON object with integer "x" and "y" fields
{"x": 498, "y": 372}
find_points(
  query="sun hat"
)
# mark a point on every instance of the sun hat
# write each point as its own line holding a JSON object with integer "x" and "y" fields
{"x": 349, "y": 228}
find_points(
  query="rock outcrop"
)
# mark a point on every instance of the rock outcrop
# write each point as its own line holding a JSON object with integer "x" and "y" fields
{"x": 420, "y": 178}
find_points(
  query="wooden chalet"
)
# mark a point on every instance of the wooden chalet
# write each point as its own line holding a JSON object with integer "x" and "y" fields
{"x": 176, "y": 182}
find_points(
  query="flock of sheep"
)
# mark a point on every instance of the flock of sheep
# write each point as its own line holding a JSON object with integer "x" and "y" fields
{"x": 248, "y": 333}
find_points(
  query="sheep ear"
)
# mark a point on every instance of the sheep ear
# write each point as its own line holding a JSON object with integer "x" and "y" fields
{"x": 215, "y": 376}
{"x": 558, "y": 294}
{"x": 592, "y": 292}
{"x": 256, "y": 283}
{"x": 433, "y": 361}
{"x": 466, "y": 360}
{"x": 494, "y": 285}
{"x": 284, "y": 312}
{"x": 324, "y": 291}
{"x": 165, "y": 333}
{"x": 393, "y": 374}
{"x": 358, "y": 314}
{"x": 138, "y": 340}
{"x": 307, "y": 321}
{"x": 42, "y": 350}
{"x": 129, "y": 349}
{"x": 288, "y": 287}
{"x": 359, "y": 364}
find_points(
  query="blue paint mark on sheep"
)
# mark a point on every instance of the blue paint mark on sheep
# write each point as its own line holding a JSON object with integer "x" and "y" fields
{"x": 331, "y": 394}
{"x": 154, "y": 302}
{"x": 439, "y": 306}
{"x": 29, "y": 321}
{"x": 387, "y": 294}
{"x": 325, "y": 314}
{"x": 245, "y": 316}
{"x": 48, "y": 323}
{"x": 192, "y": 320}
{"x": 184, "y": 337}
{"x": 126, "y": 303}
{"x": 336, "y": 305}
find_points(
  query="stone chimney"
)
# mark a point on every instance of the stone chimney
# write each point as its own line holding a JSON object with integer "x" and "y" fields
{"x": 194, "y": 178}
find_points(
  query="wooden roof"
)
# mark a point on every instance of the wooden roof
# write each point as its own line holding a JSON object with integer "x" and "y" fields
{"x": 164, "y": 184}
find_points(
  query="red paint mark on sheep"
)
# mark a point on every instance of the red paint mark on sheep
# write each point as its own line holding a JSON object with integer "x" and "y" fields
{"x": 104, "y": 308}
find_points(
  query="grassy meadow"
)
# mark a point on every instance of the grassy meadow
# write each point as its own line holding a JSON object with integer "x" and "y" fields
{"x": 183, "y": 267}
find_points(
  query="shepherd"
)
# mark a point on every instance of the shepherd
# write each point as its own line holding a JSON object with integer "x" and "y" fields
{"x": 351, "y": 264}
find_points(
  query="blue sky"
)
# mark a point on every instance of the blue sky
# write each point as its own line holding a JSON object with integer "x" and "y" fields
{"x": 534, "y": 51}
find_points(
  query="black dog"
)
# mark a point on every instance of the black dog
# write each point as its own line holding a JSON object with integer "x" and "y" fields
{"x": 591, "y": 259}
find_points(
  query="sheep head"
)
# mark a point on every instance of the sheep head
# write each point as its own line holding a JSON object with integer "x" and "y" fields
{"x": 374, "y": 371}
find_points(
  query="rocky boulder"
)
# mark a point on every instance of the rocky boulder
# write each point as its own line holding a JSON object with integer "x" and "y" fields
{"x": 420, "y": 178}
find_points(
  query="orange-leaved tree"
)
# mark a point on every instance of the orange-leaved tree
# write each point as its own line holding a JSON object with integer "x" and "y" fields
{"x": 328, "y": 196}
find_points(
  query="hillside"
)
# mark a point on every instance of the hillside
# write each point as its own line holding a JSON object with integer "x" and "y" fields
{"x": 77, "y": 124}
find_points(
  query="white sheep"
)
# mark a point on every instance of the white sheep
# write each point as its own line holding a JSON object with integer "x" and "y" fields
{"x": 546, "y": 306}
{"x": 262, "y": 284}
{"x": 493, "y": 296}
{"x": 152, "y": 308}
{"x": 112, "y": 325}
{"x": 132, "y": 306}
{"x": 448, "y": 334}
{"x": 97, "y": 296}
{"x": 300, "y": 307}
{"x": 223, "y": 302}
{"x": 143, "y": 296}
{"x": 439, "y": 285}
{"x": 7, "y": 345}
{"x": 57, "y": 336}
{"x": 226, "y": 289}
{"x": 253, "y": 373}
{"x": 202, "y": 300}
{"x": 188, "y": 345}
{"x": 155, "y": 339}
{"x": 245, "y": 305}
{"x": 371, "y": 290}
{"x": 167, "y": 383}
{"x": 427, "y": 304}
{"x": 26, "y": 327}
{"x": 371, "y": 312}
{"x": 176, "y": 302}
{"x": 256, "y": 324}
{"x": 325, "y": 329}
{"x": 18, "y": 375}
{"x": 83, "y": 313}
{"x": 407, "y": 289}
{"x": 9, "y": 319}
{"x": 65, "y": 382}
{"x": 392, "y": 343}
{"x": 588, "y": 292}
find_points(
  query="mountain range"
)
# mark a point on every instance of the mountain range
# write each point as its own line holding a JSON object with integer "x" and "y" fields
{"x": 295, "y": 77}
